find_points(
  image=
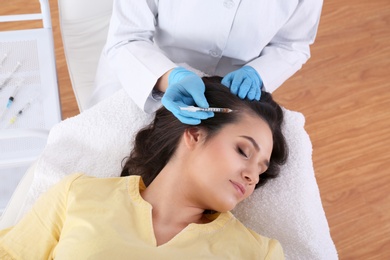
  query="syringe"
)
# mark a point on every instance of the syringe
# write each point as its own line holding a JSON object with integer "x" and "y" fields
{"x": 21, "y": 111}
{"x": 8, "y": 78}
{"x": 11, "y": 99}
{"x": 209, "y": 109}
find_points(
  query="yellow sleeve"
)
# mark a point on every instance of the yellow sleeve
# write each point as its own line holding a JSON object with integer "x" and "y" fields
{"x": 275, "y": 251}
{"x": 38, "y": 232}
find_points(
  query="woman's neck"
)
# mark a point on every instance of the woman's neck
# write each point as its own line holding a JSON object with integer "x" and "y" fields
{"x": 171, "y": 199}
{"x": 173, "y": 206}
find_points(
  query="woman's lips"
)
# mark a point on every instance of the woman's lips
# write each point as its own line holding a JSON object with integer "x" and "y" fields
{"x": 239, "y": 187}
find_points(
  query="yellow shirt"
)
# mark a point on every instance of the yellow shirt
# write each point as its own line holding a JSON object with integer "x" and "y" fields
{"x": 85, "y": 217}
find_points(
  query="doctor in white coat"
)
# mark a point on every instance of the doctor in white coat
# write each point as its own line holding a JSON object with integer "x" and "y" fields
{"x": 252, "y": 44}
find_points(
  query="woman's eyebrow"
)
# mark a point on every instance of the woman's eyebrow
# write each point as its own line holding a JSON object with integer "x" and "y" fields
{"x": 257, "y": 147}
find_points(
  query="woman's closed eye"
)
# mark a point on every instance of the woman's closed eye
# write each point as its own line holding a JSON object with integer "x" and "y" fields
{"x": 241, "y": 152}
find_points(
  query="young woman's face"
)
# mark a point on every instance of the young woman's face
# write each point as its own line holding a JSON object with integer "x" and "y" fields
{"x": 226, "y": 168}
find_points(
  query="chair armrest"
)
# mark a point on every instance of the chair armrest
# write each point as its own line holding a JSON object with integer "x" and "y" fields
{"x": 6, "y": 134}
{"x": 12, "y": 212}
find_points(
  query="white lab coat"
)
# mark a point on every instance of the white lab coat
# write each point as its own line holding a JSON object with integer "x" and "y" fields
{"x": 149, "y": 37}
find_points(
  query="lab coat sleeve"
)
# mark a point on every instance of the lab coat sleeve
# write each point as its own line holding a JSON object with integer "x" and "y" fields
{"x": 138, "y": 63}
{"x": 289, "y": 49}
{"x": 37, "y": 233}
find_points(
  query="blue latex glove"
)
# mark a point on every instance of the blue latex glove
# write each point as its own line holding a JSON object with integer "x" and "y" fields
{"x": 244, "y": 82}
{"x": 185, "y": 88}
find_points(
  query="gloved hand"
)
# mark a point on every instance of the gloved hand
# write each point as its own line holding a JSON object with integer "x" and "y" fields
{"x": 244, "y": 82}
{"x": 185, "y": 88}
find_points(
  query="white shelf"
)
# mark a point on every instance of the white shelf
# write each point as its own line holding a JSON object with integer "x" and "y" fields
{"x": 22, "y": 141}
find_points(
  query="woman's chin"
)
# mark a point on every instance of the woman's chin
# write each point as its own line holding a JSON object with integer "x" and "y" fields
{"x": 226, "y": 206}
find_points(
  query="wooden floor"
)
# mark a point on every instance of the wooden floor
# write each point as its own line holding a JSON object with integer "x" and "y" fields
{"x": 344, "y": 92}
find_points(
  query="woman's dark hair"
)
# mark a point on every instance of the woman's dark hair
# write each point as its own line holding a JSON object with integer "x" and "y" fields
{"x": 155, "y": 144}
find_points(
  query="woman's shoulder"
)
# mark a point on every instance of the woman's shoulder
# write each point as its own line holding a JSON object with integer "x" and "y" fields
{"x": 84, "y": 188}
{"x": 89, "y": 178}
{"x": 83, "y": 181}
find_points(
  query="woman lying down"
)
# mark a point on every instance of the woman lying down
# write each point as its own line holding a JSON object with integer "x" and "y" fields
{"x": 175, "y": 195}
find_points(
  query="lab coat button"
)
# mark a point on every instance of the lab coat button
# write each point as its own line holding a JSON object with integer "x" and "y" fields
{"x": 228, "y": 3}
{"x": 214, "y": 53}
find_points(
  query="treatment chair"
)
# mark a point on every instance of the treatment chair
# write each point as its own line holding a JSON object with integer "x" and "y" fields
{"x": 289, "y": 208}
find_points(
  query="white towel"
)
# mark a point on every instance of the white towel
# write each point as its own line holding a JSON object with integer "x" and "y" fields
{"x": 288, "y": 208}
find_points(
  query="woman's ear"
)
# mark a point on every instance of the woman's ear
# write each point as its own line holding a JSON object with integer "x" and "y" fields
{"x": 193, "y": 136}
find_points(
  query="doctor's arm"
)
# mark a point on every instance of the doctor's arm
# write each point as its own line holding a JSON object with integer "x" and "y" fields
{"x": 142, "y": 68}
{"x": 137, "y": 62}
{"x": 289, "y": 49}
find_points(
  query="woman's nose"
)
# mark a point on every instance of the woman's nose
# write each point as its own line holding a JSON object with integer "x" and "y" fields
{"x": 251, "y": 176}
